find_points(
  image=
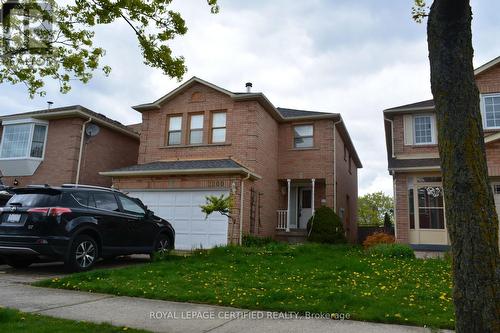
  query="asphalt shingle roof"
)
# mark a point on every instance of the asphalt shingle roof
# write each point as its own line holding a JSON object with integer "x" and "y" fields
{"x": 183, "y": 165}
{"x": 71, "y": 108}
{"x": 423, "y": 104}
{"x": 289, "y": 113}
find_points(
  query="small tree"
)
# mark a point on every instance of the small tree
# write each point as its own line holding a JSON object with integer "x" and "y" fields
{"x": 325, "y": 227}
{"x": 221, "y": 204}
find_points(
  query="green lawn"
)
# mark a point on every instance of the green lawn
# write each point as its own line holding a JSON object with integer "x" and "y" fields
{"x": 13, "y": 321}
{"x": 305, "y": 278}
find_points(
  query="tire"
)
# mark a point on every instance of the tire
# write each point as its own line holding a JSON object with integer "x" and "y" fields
{"x": 83, "y": 254}
{"x": 162, "y": 247}
{"x": 19, "y": 262}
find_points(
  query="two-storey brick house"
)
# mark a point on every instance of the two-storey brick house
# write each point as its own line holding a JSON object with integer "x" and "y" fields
{"x": 277, "y": 164}
{"x": 413, "y": 159}
{"x": 70, "y": 144}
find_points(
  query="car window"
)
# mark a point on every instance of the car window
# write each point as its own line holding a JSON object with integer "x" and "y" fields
{"x": 131, "y": 207}
{"x": 81, "y": 197}
{"x": 107, "y": 201}
{"x": 34, "y": 200}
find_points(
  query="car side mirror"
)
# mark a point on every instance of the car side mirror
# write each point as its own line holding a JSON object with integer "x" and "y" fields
{"x": 149, "y": 214}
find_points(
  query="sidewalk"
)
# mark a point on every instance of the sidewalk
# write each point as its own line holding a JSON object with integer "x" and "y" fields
{"x": 135, "y": 313}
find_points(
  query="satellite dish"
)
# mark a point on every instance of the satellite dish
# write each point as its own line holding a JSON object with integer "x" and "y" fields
{"x": 92, "y": 130}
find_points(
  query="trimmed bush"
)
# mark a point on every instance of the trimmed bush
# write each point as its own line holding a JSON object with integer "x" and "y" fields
{"x": 378, "y": 238}
{"x": 326, "y": 227}
{"x": 392, "y": 251}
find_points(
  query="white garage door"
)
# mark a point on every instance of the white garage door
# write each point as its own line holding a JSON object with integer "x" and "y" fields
{"x": 182, "y": 209}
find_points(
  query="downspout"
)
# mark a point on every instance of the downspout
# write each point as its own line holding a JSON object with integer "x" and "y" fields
{"x": 335, "y": 165}
{"x": 242, "y": 188}
{"x": 81, "y": 151}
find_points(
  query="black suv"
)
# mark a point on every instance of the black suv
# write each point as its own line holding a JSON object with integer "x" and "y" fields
{"x": 78, "y": 224}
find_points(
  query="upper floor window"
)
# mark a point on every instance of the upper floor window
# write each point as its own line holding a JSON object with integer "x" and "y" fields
{"x": 424, "y": 129}
{"x": 218, "y": 127}
{"x": 174, "y": 130}
{"x": 303, "y": 136}
{"x": 491, "y": 107}
{"x": 25, "y": 140}
{"x": 196, "y": 129}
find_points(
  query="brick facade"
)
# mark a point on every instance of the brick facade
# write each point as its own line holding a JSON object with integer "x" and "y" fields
{"x": 487, "y": 82}
{"x": 109, "y": 149}
{"x": 256, "y": 140}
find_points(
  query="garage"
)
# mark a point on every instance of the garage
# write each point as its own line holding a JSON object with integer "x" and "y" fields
{"x": 182, "y": 209}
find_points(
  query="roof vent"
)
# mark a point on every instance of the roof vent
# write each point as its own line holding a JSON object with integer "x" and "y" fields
{"x": 49, "y": 105}
{"x": 248, "y": 85}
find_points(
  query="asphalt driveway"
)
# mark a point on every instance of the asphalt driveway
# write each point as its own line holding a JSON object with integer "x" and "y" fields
{"x": 42, "y": 271}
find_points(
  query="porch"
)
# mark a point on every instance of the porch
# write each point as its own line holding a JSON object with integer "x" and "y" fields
{"x": 299, "y": 198}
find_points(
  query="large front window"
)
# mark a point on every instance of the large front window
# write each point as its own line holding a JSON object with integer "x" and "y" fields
{"x": 23, "y": 141}
{"x": 492, "y": 110}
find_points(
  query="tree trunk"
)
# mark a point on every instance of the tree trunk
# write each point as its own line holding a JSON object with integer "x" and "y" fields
{"x": 470, "y": 210}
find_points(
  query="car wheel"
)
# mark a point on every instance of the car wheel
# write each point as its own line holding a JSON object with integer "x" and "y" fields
{"x": 83, "y": 254}
{"x": 162, "y": 247}
{"x": 18, "y": 262}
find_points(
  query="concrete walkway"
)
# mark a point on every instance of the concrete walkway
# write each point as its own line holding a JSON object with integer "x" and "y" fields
{"x": 163, "y": 316}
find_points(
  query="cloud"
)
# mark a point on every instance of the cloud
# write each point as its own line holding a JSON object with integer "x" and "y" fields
{"x": 352, "y": 57}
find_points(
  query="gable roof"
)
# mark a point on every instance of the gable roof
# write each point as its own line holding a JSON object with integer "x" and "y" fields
{"x": 74, "y": 111}
{"x": 429, "y": 104}
{"x": 279, "y": 114}
{"x": 183, "y": 167}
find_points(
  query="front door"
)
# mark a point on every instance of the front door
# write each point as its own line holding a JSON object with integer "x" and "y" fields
{"x": 305, "y": 207}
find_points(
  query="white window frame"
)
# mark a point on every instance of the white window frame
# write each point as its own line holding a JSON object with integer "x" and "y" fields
{"x": 32, "y": 122}
{"x": 483, "y": 110}
{"x": 218, "y": 127}
{"x": 196, "y": 129}
{"x": 305, "y": 136}
{"x": 433, "y": 130}
{"x": 169, "y": 130}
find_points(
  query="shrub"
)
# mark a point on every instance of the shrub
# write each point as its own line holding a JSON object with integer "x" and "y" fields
{"x": 378, "y": 238}
{"x": 392, "y": 251}
{"x": 254, "y": 241}
{"x": 325, "y": 227}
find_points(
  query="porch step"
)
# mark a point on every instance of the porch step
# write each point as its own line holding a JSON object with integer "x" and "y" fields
{"x": 294, "y": 236}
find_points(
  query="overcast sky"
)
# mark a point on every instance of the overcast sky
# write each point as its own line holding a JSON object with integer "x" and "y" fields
{"x": 351, "y": 57}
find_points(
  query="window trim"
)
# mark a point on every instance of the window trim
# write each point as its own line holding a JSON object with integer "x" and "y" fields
{"x": 212, "y": 127}
{"x": 32, "y": 122}
{"x": 174, "y": 131}
{"x": 202, "y": 129}
{"x": 433, "y": 130}
{"x": 308, "y": 136}
{"x": 483, "y": 110}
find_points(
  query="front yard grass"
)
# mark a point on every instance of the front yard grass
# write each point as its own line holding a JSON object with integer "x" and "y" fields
{"x": 13, "y": 321}
{"x": 278, "y": 277}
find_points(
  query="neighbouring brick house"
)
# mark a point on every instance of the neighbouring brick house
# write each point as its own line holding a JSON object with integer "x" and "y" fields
{"x": 413, "y": 158}
{"x": 54, "y": 147}
{"x": 277, "y": 164}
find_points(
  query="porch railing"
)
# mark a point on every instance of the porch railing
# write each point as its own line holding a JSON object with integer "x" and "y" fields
{"x": 282, "y": 219}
